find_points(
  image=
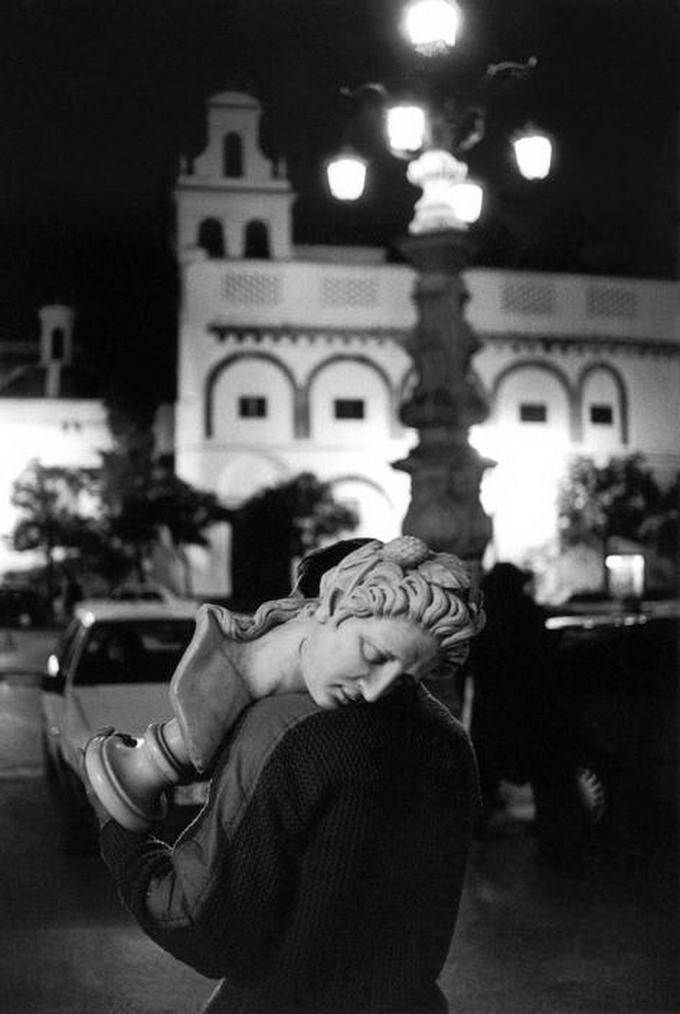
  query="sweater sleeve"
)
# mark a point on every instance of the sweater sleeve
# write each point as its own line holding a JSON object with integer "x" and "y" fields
{"x": 219, "y": 899}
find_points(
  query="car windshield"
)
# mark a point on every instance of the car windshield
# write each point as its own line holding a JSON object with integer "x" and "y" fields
{"x": 136, "y": 651}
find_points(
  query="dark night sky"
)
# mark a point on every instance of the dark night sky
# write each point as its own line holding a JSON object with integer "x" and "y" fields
{"x": 98, "y": 99}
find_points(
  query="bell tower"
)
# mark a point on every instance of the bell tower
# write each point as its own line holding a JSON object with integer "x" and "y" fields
{"x": 56, "y": 345}
{"x": 233, "y": 202}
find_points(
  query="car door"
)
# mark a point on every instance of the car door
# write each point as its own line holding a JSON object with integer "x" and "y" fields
{"x": 126, "y": 693}
{"x": 56, "y": 692}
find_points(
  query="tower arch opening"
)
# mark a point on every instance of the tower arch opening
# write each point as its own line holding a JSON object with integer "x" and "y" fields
{"x": 257, "y": 240}
{"x": 211, "y": 238}
{"x": 232, "y": 155}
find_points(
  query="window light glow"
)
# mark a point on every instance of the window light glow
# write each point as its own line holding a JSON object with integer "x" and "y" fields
{"x": 625, "y": 575}
{"x": 520, "y": 492}
{"x": 432, "y": 25}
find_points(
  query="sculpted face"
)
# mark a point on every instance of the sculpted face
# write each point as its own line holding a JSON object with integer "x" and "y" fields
{"x": 362, "y": 659}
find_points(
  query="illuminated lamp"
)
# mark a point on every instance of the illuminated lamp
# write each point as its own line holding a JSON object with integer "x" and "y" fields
{"x": 533, "y": 153}
{"x": 432, "y": 25}
{"x": 466, "y": 200}
{"x": 346, "y": 175}
{"x": 406, "y": 126}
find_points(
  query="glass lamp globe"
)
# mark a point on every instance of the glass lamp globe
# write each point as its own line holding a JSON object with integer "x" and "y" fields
{"x": 346, "y": 175}
{"x": 533, "y": 153}
{"x": 466, "y": 201}
{"x": 431, "y": 26}
{"x": 406, "y": 126}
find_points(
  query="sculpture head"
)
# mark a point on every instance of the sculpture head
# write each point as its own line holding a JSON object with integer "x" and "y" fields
{"x": 384, "y": 613}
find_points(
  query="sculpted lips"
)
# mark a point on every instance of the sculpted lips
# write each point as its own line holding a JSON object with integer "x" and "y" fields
{"x": 346, "y": 697}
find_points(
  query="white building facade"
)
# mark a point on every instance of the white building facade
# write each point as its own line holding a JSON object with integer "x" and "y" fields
{"x": 293, "y": 360}
{"x": 49, "y": 413}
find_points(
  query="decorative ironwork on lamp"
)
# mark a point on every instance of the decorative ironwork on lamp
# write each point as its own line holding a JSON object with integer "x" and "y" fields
{"x": 412, "y": 128}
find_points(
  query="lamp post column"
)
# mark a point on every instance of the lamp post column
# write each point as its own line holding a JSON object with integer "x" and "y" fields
{"x": 448, "y": 398}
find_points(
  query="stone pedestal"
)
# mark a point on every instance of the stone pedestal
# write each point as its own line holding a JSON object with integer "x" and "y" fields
{"x": 448, "y": 398}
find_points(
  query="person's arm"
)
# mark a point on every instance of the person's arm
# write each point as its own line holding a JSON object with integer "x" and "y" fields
{"x": 218, "y": 899}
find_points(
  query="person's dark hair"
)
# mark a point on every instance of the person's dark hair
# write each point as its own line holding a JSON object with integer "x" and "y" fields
{"x": 313, "y": 566}
{"x": 505, "y": 579}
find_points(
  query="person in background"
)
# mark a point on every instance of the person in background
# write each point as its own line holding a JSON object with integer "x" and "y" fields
{"x": 521, "y": 726}
{"x": 324, "y": 873}
{"x": 71, "y": 594}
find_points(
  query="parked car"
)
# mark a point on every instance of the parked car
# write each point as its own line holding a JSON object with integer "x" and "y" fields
{"x": 143, "y": 591}
{"x": 22, "y": 606}
{"x": 111, "y": 666}
{"x": 619, "y": 672}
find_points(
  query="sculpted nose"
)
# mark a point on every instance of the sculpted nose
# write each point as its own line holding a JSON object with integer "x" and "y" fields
{"x": 380, "y": 680}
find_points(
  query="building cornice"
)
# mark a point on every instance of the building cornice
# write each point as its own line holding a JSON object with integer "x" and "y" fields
{"x": 310, "y": 335}
{"x": 581, "y": 344}
{"x": 514, "y": 341}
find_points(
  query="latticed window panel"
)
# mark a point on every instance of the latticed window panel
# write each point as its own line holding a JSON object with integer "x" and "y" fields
{"x": 341, "y": 290}
{"x": 529, "y": 297}
{"x": 533, "y": 412}
{"x": 251, "y": 289}
{"x": 252, "y": 406}
{"x": 349, "y": 408}
{"x": 611, "y": 301}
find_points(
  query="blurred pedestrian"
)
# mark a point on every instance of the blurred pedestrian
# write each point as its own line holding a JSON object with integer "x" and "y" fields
{"x": 71, "y": 594}
{"x": 522, "y": 725}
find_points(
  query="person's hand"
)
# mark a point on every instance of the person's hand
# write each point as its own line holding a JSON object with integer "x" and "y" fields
{"x": 100, "y": 811}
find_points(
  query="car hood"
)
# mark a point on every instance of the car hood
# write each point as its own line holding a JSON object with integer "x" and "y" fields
{"x": 126, "y": 708}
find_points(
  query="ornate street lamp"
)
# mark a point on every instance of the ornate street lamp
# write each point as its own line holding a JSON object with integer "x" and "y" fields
{"x": 448, "y": 397}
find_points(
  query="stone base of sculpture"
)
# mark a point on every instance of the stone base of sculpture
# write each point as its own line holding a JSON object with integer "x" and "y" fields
{"x": 132, "y": 776}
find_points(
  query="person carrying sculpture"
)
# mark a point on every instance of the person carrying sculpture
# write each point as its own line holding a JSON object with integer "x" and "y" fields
{"x": 325, "y": 871}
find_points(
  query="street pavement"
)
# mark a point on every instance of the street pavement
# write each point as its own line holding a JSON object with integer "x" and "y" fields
{"x": 25, "y": 652}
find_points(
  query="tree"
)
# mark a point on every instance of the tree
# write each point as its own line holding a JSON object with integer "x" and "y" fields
{"x": 139, "y": 512}
{"x": 115, "y": 536}
{"x": 50, "y": 499}
{"x": 620, "y": 500}
{"x": 143, "y": 498}
{"x": 275, "y": 527}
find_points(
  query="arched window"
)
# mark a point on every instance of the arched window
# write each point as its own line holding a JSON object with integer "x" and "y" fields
{"x": 211, "y": 237}
{"x": 604, "y": 408}
{"x": 257, "y": 240}
{"x": 232, "y": 156}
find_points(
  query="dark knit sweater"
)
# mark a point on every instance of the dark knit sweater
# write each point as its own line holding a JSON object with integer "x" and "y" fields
{"x": 325, "y": 871}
